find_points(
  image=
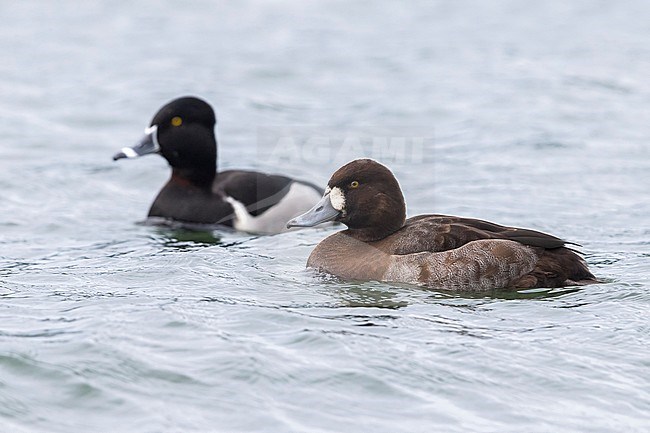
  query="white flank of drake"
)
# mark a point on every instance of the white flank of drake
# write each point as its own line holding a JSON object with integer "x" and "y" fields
{"x": 298, "y": 200}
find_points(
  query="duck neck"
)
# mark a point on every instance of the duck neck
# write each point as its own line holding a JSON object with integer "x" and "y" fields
{"x": 197, "y": 163}
{"x": 386, "y": 216}
{"x": 378, "y": 231}
{"x": 201, "y": 176}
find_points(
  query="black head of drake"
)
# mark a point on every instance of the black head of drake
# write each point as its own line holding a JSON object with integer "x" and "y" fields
{"x": 439, "y": 251}
{"x": 182, "y": 132}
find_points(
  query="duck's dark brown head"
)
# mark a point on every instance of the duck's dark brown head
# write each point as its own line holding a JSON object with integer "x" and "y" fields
{"x": 365, "y": 196}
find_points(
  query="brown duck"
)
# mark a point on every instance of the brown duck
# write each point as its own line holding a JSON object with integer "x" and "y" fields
{"x": 440, "y": 251}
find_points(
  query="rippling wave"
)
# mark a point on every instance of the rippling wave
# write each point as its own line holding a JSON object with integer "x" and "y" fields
{"x": 532, "y": 115}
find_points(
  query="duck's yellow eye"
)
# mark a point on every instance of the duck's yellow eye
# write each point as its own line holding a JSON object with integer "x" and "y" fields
{"x": 177, "y": 121}
{"x": 354, "y": 184}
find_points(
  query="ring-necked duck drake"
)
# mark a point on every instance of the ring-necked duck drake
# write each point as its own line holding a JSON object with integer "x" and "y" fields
{"x": 183, "y": 133}
{"x": 440, "y": 251}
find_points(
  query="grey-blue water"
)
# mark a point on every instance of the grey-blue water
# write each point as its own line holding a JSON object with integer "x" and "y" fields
{"x": 533, "y": 114}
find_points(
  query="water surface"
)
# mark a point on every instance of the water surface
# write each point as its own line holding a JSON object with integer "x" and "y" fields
{"x": 534, "y": 115}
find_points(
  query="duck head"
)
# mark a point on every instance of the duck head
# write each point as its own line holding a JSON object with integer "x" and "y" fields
{"x": 182, "y": 131}
{"x": 365, "y": 196}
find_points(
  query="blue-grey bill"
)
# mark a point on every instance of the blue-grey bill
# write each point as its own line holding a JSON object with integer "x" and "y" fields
{"x": 322, "y": 212}
{"x": 147, "y": 144}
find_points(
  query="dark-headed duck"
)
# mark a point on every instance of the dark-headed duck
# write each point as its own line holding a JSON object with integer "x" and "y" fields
{"x": 439, "y": 251}
{"x": 183, "y": 133}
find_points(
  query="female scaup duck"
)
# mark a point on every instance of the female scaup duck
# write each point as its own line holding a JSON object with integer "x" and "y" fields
{"x": 440, "y": 251}
{"x": 183, "y": 133}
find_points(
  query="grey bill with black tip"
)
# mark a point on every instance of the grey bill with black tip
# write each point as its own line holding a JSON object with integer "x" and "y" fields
{"x": 147, "y": 144}
{"x": 322, "y": 212}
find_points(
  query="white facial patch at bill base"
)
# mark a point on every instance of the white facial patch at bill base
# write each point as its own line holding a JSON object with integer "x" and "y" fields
{"x": 337, "y": 198}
